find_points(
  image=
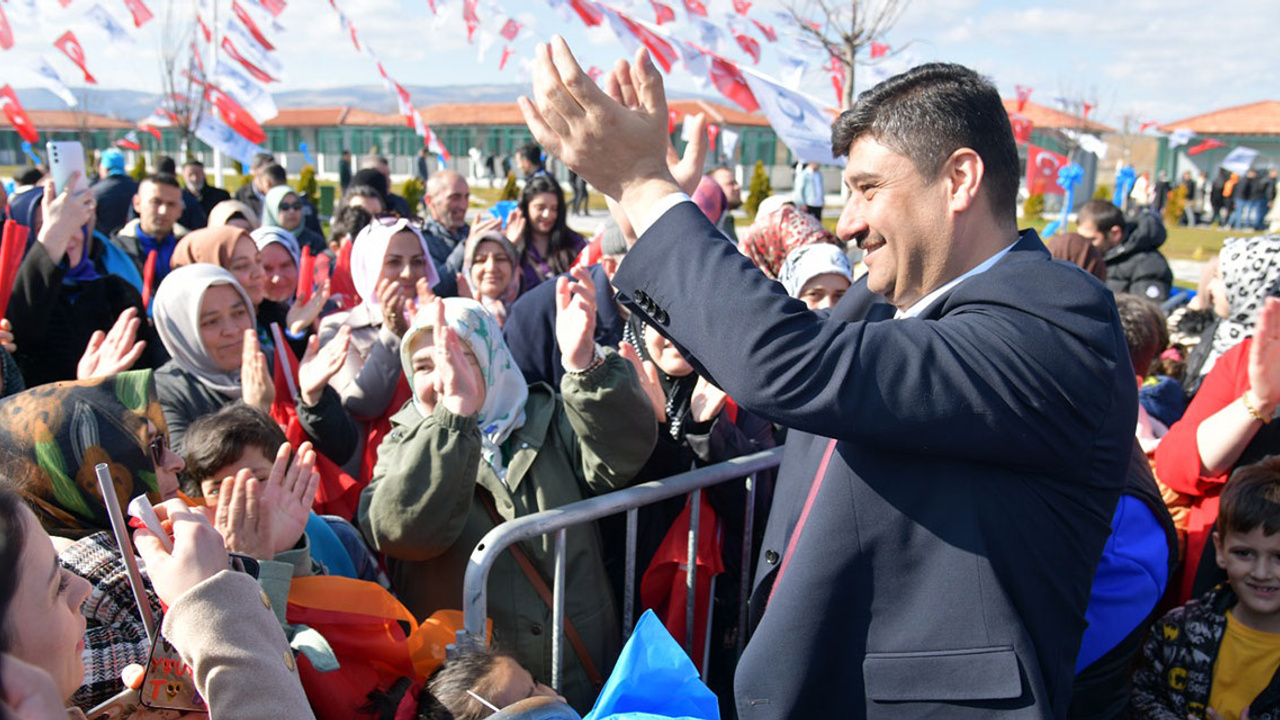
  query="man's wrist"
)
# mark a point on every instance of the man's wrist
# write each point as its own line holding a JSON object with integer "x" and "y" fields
{"x": 638, "y": 200}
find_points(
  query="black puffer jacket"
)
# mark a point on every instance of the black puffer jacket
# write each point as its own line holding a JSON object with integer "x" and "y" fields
{"x": 1135, "y": 266}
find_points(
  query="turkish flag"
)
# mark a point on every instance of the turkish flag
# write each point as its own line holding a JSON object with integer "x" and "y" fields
{"x": 129, "y": 141}
{"x": 141, "y": 13}
{"x": 661, "y": 50}
{"x": 507, "y": 52}
{"x": 729, "y": 81}
{"x": 249, "y": 25}
{"x": 151, "y": 129}
{"x": 17, "y": 116}
{"x": 235, "y": 116}
{"x": 662, "y": 13}
{"x": 6, "y": 32}
{"x": 470, "y": 17}
{"x": 767, "y": 30}
{"x": 695, "y": 7}
{"x": 254, "y": 70}
{"x": 1024, "y": 94}
{"x": 587, "y": 10}
{"x": 510, "y": 29}
{"x": 1021, "y": 128}
{"x": 1146, "y": 126}
{"x": 713, "y": 132}
{"x": 879, "y": 50}
{"x": 68, "y": 44}
{"x": 275, "y": 7}
{"x": 742, "y": 7}
{"x": 1042, "y": 171}
{"x": 1208, "y": 144}
{"x": 204, "y": 29}
{"x": 749, "y": 46}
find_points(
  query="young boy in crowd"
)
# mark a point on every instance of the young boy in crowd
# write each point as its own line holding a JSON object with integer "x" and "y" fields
{"x": 239, "y": 437}
{"x": 1217, "y": 657}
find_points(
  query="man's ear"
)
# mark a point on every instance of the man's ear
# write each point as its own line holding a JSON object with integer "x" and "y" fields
{"x": 963, "y": 174}
{"x": 137, "y": 204}
{"x": 1115, "y": 235}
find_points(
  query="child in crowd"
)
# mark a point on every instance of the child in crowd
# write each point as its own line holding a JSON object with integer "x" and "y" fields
{"x": 1217, "y": 657}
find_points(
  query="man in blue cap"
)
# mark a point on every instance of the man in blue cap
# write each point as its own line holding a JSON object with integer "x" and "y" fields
{"x": 113, "y": 192}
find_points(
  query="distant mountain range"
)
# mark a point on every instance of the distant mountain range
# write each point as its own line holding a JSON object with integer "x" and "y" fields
{"x": 131, "y": 105}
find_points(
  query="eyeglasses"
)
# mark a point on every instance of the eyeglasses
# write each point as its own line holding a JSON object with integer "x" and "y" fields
{"x": 285, "y": 206}
{"x": 158, "y": 446}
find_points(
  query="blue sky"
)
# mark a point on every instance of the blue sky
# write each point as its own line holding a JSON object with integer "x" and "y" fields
{"x": 1148, "y": 59}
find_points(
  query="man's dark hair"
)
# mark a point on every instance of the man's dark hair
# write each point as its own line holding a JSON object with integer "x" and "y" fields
{"x": 192, "y": 161}
{"x": 162, "y": 178}
{"x": 718, "y": 168}
{"x": 260, "y": 159}
{"x": 531, "y": 152}
{"x": 1103, "y": 213}
{"x": 349, "y": 220}
{"x": 370, "y": 177}
{"x": 217, "y": 440}
{"x": 929, "y": 112}
{"x": 276, "y": 174}
{"x": 165, "y": 164}
{"x": 29, "y": 175}
{"x": 1144, "y": 330}
{"x": 1251, "y": 498}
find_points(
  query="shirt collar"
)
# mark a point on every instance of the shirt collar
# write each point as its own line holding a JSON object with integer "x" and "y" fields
{"x": 923, "y": 303}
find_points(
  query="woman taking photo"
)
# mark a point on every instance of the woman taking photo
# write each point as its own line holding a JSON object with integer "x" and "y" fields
{"x": 537, "y": 228}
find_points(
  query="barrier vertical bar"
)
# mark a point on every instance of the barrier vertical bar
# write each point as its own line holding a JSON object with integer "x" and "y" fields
{"x": 557, "y": 616}
{"x": 629, "y": 585}
{"x": 691, "y": 571}
{"x": 748, "y": 536}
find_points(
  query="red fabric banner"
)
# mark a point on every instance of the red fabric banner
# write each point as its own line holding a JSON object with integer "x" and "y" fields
{"x": 68, "y": 44}
{"x": 729, "y": 81}
{"x": 236, "y": 116}
{"x": 249, "y": 25}
{"x": 662, "y": 13}
{"x": 695, "y": 7}
{"x": 1021, "y": 128}
{"x": 6, "y": 32}
{"x": 767, "y": 30}
{"x": 1208, "y": 144}
{"x": 17, "y": 115}
{"x": 1042, "y": 171}
{"x": 879, "y": 50}
{"x": 141, "y": 13}
{"x": 254, "y": 70}
{"x": 742, "y": 7}
{"x": 510, "y": 29}
{"x": 749, "y": 46}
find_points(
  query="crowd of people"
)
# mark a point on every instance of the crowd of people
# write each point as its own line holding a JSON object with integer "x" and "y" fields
{"x": 1012, "y": 486}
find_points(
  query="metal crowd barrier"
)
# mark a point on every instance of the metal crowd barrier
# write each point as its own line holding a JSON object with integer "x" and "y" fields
{"x": 629, "y": 500}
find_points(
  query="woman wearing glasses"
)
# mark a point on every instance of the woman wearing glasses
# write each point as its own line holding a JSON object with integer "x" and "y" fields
{"x": 283, "y": 208}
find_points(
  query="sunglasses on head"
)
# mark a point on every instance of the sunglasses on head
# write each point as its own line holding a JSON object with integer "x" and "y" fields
{"x": 284, "y": 206}
{"x": 158, "y": 446}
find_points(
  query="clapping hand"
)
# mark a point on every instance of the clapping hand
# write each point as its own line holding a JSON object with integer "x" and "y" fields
{"x": 114, "y": 351}
{"x": 515, "y": 226}
{"x": 394, "y": 300}
{"x": 576, "y": 319}
{"x": 242, "y": 518}
{"x": 1264, "y": 359}
{"x": 707, "y": 401}
{"x": 198, "y": 551}
{"x": 489, "y": 224}
{"x": 256, "y": 387}
{"x": 457, "y": 379}
{"x": 319, "y": 365}
{"x": 647, "y": 372}
{"x": 302, "y": 315}
{"x": 289, "y": 495}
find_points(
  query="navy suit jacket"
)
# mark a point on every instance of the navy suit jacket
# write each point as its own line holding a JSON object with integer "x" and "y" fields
{"x": 945, "y": 565}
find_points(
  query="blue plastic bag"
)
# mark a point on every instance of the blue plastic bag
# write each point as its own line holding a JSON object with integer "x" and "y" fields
{"x": 654, "y": 680}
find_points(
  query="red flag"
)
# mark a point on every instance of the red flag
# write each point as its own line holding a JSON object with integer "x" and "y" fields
{"x": 836, "y": 67}
{"x": 1208, "y": 144}
{"x": 695, "y": 7}
{"x": 148, "y": 278}
{"x": 742, "y": 7}
{"x": 257, "y": 72}
{"x": 1021, "y": 128}
{"x": 767, "y": 30}
{"x": 17, "y": 115}
{"x": 1087, "y": 108}
{"x": 1147, "y": 126}
{"x": 204, "y": 29}
{"x": 13, "y": 244}
{"x": 275, "y": 7}
{"x": 236, "y": 116}
{"x": 150, "y": 129}
{"x": 507, "y": 52}
{"x": 729, "y": 81}
{"x": 342, "y": 287}
{"x": 6, "y": 32}
{"x": 588, "y": 11}
{"x": 673, "y": 117}
{"x": 510, "y": 29}
{"x": 68, "y": 44}
{"x": 129, "y": 141}
{"x": 1024, "y": 94}
{"x": 713, "y": 132}
{"x": 306, "y": 275}
{"x": 879, "y": 50}
{"x": 1042, "y": 171}
{"x": 749, "y": 46}
{"x": 141, "y": 14}
{"x": 662, "y": 13}
{"x": 432, "y": 4}
{"x": 661, "y": 50}
{"x": 249, "y": 25}
{"x": 470, "y": 17}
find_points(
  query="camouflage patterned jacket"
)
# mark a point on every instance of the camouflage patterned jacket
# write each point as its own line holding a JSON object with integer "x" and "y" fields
{"x": 1175, "y": 675}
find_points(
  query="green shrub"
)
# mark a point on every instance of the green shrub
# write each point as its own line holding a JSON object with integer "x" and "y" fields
{"x": 139, "y": 170}
{"x": 412, "y": 191}
{"x": 307, "y": 186}
{"x": 1033, "y": 206}
{"x": 510, "y": 191}
{"x": 1175, "y": 204}
{"x": 758, "y": 190}
{"x": 1102, "y": 192}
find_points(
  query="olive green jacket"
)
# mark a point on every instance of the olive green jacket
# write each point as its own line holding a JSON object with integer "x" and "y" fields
{"x": 422, "y": 510}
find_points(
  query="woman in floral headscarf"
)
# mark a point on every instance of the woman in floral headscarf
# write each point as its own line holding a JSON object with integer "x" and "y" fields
{"x": 772, "y": 237}
{"x": 477, "y": 446}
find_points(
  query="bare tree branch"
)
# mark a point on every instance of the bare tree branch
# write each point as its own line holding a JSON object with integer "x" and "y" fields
{"x": 850, "y": 26}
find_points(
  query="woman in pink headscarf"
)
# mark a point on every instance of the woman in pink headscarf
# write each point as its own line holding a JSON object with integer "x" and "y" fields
{"x": 773, "y": 236}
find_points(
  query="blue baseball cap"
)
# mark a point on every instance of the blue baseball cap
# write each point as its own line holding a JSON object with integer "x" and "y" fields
{"x": 113, "y": 161}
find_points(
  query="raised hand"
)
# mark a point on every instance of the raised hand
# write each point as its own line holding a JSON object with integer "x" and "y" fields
{"x": 516, "y": 223}
{"x": 576, "y": 319}
{"x": 319, "y": 365}
{"x": 687, "y": 170}
{"x": 242, "y": 518}
{"x": 256, "y": 387}
{"x": 464, "y": 287}
{"x": 64, "y": 215}
{"x": 489, "y": 224}
{"x": 113, "y": 351}
{"x": 6, "y": 336}
{"x": 393, "y": 301}
{"x": 198, "y": 551}
{"x": 288, "y": 495}
{"x": 647, "y": 372}
{"x": 616, "y": 142}
{"x": 458, "y": 383}
{"x": 425, "y": 295}
{"x": 302, "y": 315}
{"x": 707, "y": 401}
{"x": 1264, "y": 360}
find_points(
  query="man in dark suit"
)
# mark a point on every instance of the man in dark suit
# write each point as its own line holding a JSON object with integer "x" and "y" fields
{"x": 934, "y": 557}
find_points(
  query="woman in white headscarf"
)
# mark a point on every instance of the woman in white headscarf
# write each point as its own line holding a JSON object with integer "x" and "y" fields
{"x": 477, "y": 446}
{"x": 281, "y": 261}
{"x": 818, "y": 275}
{"x": 206, "y": 322}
